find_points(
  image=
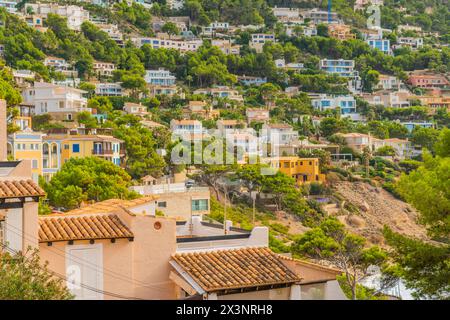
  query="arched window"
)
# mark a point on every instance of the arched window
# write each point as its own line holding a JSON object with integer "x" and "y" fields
{"x": 54, "y": 155}
{"x": 45, "y": 155}
{"x": 9, "y": 149}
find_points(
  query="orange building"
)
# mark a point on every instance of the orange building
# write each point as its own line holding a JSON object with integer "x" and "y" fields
{"x": 303, "y": 170}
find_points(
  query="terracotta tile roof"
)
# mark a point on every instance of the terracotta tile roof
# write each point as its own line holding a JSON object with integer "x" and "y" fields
{"x": 20, "y": 189}
{"x": 82, "y": 228}
{"x": 112, "y": 205}
{"x": 235, "y": 268}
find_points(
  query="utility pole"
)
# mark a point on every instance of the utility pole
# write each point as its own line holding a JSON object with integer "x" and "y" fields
{"x": 254, "y": 209}
{"x": 191, "y": 225}
{"x": 225, "y": 231}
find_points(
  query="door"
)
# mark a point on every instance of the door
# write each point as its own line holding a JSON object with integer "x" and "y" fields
{"x": 14, "y": 230}
{"x": 84, "y": 271}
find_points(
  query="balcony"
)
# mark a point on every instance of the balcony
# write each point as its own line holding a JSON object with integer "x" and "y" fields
{"x": 100, "y": 152}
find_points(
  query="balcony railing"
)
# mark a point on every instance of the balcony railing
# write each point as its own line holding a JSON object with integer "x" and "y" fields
{"x": 102, "y": 152}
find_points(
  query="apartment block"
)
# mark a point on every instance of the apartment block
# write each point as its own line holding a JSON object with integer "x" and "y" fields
{"x": 180, "y": 45}
{"x": 159, "y": 77}
{"x": 383, "y": 45}
{"x": 63, "y": 103}
{"x": 347, "y": 104}
{"x": 341, "y": 67}
{"x": 60, "y": 145}
{"x": 75, "y": 15}
{"x": 111, "y": 89}
{"x": 104, "y": 69}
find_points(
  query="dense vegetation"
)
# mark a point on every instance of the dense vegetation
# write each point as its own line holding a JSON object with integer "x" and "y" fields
{"x": 424, "y": 182}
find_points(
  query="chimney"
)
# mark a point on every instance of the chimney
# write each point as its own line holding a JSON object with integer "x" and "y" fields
{"x": 3, "y": 133}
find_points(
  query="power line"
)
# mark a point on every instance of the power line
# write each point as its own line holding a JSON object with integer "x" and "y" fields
{"x": 62, "y": 277}
{"x": 93, "y": 266}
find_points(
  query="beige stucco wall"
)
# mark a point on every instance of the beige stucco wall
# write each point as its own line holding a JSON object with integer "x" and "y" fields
{"x": 179, "y": 203}
{"x": 137, "y": 269}
{"x": 117, "y": 269}
{"x": 152, "y": 250}
{"x": 21, "y": 172}
{"x": 30, "y": 225}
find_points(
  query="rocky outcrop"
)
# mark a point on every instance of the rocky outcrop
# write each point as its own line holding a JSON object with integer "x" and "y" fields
{"x": 377, "y": 208}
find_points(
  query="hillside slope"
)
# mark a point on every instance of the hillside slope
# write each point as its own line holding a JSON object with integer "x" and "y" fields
{"x": 377, "y": 208}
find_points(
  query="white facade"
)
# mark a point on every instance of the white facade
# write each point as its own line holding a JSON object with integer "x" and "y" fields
{"x": 75, "y": 15}
{"x": 113, "y": 32}
{"x": 279, "y": 133}
{"x": 182, "y": 127}
{"x": 108, "y": 89}
{"x": 262, "y": 37}
{"x": 286, "y": 12}
{"x": 59, "y": 64}
{"x": 10, "y": 6}
{"x": 347, "y": 104}
{"x": 215, "y": 26}
{"x": 321, "y": 16}
{"x": 159, "y": 77}
{"x": 307, "y": 31}
{"x": 104, "y": 68}
{"x": 221, "y": 92}
{"x": 414, "y": 43}
{"x": 51, "y": 98}
{"x": 180, "y": 45}
{"x": 388, "y": 82}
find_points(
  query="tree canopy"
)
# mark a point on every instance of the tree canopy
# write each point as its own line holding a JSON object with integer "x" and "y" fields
{"x": 90, "y": 178}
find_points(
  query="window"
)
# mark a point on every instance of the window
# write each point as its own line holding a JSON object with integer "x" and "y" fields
{"x": 200, "y": 205}
{"x": 66, "y": 147}
{"x": 162, "y": 204}
{"x": 35, "y": 164}
{"x": 286, "y": 164}
{"x": 75, "y": 147}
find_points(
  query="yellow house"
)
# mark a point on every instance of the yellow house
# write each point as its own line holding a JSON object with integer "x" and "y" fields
{"x": 60, "y": 145}
{"x": 303, "y": 170}
{"x": 27, "y": 145}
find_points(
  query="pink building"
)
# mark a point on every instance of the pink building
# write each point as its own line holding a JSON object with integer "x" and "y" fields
{"x": 428, "y": 81}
